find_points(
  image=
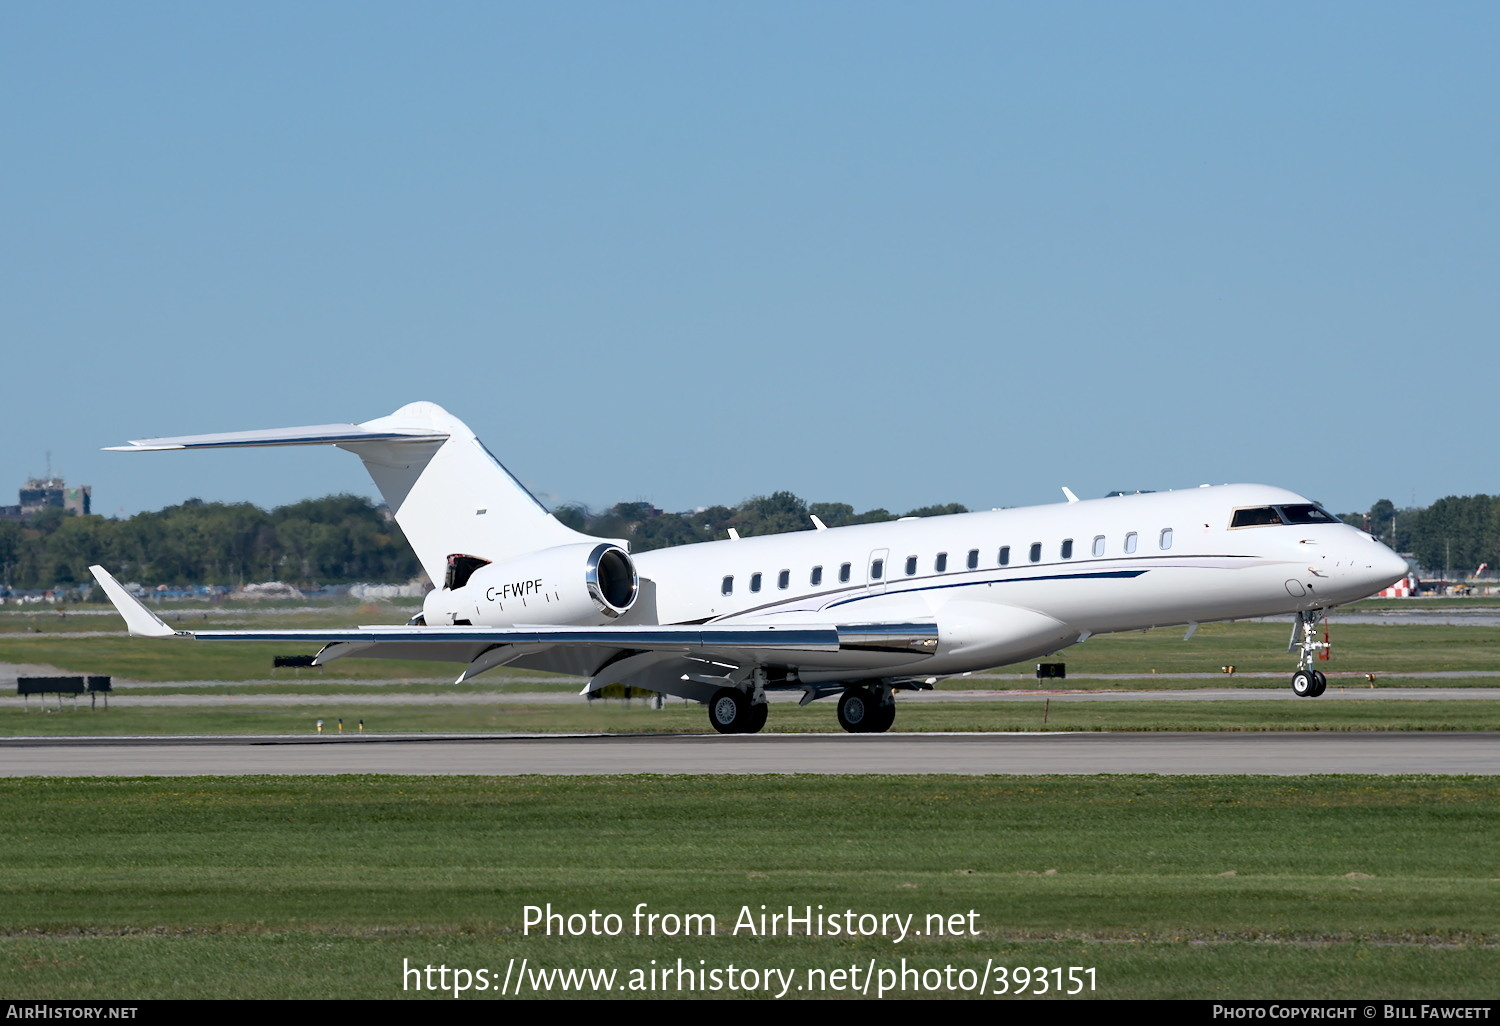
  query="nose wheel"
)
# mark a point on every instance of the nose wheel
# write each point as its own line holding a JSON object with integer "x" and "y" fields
{"x": 1307, "y": 682}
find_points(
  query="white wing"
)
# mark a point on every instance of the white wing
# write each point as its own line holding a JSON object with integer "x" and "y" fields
{"x": 484, "y": 648}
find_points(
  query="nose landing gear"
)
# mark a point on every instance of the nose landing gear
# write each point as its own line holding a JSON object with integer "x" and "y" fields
{"x": 1307, "y": 682}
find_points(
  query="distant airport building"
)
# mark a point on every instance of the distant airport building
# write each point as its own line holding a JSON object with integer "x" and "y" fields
{"x": 39, "y": 493}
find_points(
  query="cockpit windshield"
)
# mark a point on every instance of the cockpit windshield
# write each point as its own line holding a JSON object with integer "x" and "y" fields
{"x": 1307, "y": 514}
{"x": 1258, "y": 516}
{"x": 1267, "y": 516}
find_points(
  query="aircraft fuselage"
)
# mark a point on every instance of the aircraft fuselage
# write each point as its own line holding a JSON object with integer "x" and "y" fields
{"x": 1096, "y": 566}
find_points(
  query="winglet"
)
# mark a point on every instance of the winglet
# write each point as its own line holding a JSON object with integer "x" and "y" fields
{"x": 1069, "y": 493}
{"x": 140, "y": 621}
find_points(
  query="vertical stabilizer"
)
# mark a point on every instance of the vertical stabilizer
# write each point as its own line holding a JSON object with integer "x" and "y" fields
{"x": 450, "y": 494}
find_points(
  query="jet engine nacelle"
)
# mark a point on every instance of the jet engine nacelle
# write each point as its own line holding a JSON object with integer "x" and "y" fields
{"x": 582, "y": 585}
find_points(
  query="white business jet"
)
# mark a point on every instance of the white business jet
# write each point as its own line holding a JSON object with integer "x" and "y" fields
{"x": 859, "y": 612}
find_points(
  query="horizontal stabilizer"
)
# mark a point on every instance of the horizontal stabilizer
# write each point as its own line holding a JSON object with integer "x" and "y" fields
{"x": 317, "y": 434}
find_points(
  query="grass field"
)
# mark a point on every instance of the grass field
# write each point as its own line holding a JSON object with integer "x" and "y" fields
{"x": 1168, "y": 887}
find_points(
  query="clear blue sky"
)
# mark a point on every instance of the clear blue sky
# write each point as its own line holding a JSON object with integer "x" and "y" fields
{"x": 883, "y": 253}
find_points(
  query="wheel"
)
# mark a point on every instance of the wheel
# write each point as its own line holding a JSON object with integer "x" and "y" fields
{"x": 729, "y": 711}
{"x": 856, "y": 709}
{"x": 881, "y": 717}
{"x": 1304, "y": 684}
{"x": 756, "y": 718}
{"x": 1322, "y": 680}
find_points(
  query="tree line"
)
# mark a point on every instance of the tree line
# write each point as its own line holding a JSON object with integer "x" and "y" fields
{"x": 779, "y": 513}
{"x": 335, "y": 539}
{"x": 1451, "y": 538}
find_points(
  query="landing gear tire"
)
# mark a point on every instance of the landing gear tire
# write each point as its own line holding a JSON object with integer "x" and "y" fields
{"x": 1322, "y": 684}
{"x": 757, "y": 718}
{"x": 729, "y": 711}
{"x": 857, "y": 710}
{"x": 1305, "y": 684}
{"x": 881, "y": 718}
{"x": 1309, "y": 683}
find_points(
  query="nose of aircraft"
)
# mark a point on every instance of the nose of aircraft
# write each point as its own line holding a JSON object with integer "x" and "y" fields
{"x": 1385, "y": 567}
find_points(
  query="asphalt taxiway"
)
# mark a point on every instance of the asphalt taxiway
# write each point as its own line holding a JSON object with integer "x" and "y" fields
{"x": 1275, "y": 754}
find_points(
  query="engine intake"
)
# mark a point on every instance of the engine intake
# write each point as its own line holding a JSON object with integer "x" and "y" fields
{"x": 612, "y": 580}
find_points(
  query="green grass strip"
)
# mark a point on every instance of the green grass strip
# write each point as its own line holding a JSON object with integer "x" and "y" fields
{"x": 1232, "y": 887}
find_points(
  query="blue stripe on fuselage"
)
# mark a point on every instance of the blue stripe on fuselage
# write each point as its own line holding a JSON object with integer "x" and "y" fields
{"x": 1098, "y": 575}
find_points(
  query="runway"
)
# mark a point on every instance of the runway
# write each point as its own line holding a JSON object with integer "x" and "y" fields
{"x": 1273, "y": 754}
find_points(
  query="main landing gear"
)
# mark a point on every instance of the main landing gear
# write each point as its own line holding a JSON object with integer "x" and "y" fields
{"x": 734, "y": 711}
{"x": 867, "y": 710}
{"x": 742, "y": 708}
{"x": 1307, "y": 682}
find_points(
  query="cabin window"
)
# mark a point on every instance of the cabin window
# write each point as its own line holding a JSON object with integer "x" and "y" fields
{"x": 877, "y": 569}
{"x": 1004, "y": 559}
{"x": 1036, "y": 552}
{"x": 1099, "y": 545}
{"x": 1067, "y": 548}
{"x": 941, "y": 563}
{"x": 816, "y": 577}
{"x": 911, "y": 565}
{"x": 784, "y": 580}
{"x": 844, "y": 572}
{"x": 727, "y": 587}
{"x": 973, "y": 559}
{"x": 755, "y": 582}
{"x": 1130, "y": 542}
{"x": 1258, "y": 516}
{"x": 1166, "y": 538}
